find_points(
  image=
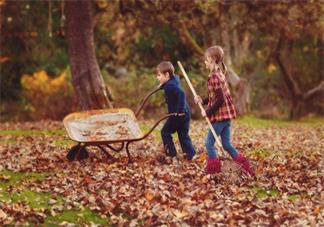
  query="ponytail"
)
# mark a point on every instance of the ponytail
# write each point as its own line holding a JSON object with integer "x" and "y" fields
{"x": 224, "y": 68}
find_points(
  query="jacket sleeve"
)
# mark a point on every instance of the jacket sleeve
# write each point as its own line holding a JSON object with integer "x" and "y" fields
{"x": 180, "y": 101}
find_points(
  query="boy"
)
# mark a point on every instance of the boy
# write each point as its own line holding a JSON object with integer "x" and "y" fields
{"x": 176, "y": 102}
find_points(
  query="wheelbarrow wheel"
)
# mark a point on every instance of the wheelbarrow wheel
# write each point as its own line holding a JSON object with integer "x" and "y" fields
{"x": 83, "y": 154}
{"x": 77, "y": 152}
{"x": 72, "y": 152}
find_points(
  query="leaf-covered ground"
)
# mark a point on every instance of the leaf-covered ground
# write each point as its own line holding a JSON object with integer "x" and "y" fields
{"x": 39, "y": 186}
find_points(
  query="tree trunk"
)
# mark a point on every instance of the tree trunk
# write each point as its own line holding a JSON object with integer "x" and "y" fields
{"x": 241, "y": 86}
{"x": 242, "y": 99}
{"x": 87, "y": 79}
{"x": 296, "y": 108}
{"x": 298, "y": 98}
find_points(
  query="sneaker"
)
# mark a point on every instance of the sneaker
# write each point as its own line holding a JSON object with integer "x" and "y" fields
{"x": 189, "y": 156}
{"x": 244, "y": 163}
{"x": 213, "y": 166}
{"x": 168, "y": 151}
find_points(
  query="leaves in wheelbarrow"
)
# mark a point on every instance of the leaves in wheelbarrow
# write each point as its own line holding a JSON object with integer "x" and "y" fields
{"x": 157, "y": 190}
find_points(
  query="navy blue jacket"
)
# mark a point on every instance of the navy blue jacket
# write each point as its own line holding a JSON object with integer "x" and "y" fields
{"x": 175, "y": 96}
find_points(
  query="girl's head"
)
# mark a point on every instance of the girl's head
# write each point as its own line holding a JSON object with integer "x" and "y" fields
{"x": 214, "y": 59}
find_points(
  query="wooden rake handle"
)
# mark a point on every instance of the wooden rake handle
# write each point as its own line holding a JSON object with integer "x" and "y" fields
{"x": 218, "y": 143}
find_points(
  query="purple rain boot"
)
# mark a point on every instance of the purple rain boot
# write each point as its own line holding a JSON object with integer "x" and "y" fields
{"x": 244, "y": 163}
{"x": 213, "y": 166}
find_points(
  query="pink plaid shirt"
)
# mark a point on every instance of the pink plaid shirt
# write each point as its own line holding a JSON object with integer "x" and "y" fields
{"x": 227, "y": 109}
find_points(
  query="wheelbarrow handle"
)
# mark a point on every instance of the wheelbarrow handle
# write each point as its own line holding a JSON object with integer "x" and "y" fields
{"x": 146, "y": 98}
{"x": 157, "y": 122}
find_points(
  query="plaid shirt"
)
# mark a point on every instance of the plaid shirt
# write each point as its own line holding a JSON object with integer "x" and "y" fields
{"x": 227, "y": 109}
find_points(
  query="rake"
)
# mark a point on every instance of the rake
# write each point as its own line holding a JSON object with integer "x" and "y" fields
{"x": 218, "y": 143}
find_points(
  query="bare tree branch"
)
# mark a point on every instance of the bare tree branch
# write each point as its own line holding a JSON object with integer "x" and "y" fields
{"x": 290, "y": 82}
{"x": 315, "y": 91}
{"x": 189, "y": 39}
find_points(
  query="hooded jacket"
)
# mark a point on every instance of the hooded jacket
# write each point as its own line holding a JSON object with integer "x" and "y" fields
{"x": 175, "y": 96}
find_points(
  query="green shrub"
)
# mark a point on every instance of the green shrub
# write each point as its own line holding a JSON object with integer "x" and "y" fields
{"x": 46, "y": 97}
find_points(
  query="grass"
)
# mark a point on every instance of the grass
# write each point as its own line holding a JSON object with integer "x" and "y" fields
{"x": 21, "y": 132}
{"x": 261, "y": 193}
{"x": 145, "y": 128}
{"x": 44, "y": 200}
{"x": 63, "y": 142}
{"x": 255, "y": 122}
{"x": 293, "y": 197}
{"x": 260, "y": 153}
{"x": 10, "y": 178}
{"x": 35, "y": 199}
{"x": 82, "y": 216}
{"x": 7, "y": 141}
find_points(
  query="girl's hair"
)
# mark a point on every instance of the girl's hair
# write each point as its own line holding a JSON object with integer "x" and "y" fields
{"x": 165, "y": 67}
{"x": 217, "y": 55}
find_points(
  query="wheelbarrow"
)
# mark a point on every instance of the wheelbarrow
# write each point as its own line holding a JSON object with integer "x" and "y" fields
{"x": 112, "y": 129}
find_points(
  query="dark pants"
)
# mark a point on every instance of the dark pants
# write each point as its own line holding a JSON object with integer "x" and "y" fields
{"x": 181, "y": 126}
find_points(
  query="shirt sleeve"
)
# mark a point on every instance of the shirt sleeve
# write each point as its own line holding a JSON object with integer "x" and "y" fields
{"x": 205, "y": 101}
{"x": 219, "y": 100}
{"x": 218, "y": 95}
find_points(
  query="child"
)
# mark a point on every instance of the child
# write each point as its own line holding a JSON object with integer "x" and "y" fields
{"x": 220, "y": 111}
{"x": 176, "y": 102}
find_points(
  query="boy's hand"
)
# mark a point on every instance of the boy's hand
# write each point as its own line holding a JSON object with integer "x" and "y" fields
{"x": 198, "y": 100}
{"x": 180, "y": 114}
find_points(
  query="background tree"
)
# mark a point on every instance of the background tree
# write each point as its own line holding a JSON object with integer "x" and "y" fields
{"x": 87, "y": 80}
{"x": 294, "y": 31}
{"x": 279, "y": 78}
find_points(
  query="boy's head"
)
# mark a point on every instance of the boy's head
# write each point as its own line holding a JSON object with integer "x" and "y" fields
{"x": 164, "y": 71}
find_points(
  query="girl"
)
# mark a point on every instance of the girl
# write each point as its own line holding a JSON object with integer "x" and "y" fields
{"x": 220, "y": 111}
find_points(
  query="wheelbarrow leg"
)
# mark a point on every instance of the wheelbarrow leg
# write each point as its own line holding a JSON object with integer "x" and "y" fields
{"x": 116, "y": 149}
{"x": 128, "y": 154}
{"x": 106, "y": 152}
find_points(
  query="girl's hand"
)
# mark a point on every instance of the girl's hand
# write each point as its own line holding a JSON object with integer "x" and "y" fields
{"x": 203, "y": 113}
{"x": 198, "y": 100}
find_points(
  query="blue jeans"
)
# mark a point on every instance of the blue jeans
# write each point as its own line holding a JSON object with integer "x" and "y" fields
{"x": 222, "y": 128}
{"x": 181, "y": 126}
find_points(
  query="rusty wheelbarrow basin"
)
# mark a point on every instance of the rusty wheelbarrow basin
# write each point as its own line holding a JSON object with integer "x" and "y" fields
{"x": 106, "y": 128}
{"x": 107, "y": 125}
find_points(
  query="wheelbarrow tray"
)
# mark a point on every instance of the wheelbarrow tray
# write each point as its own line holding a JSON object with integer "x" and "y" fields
{"x": 105, "y": 128}
{"x": 106, "y": 125}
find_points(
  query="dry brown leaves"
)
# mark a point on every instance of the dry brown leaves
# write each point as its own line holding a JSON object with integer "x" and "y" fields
{"x": 155, "y": 190}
